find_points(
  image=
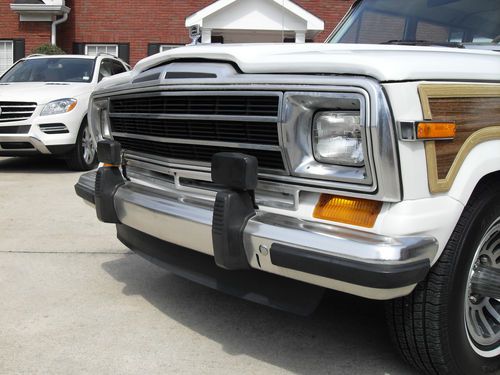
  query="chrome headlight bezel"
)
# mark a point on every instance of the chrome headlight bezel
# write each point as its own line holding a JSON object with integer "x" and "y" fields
{"x": 99, "y": 119}
{"x": 300, "y": 109}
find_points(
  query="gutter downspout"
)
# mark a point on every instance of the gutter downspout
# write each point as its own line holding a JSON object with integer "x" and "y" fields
{"x": 63, "y": 19}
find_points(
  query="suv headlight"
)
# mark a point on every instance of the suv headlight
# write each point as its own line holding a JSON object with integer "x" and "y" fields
{"x": 59, "y": 106}
{"x": 337, "y": 138}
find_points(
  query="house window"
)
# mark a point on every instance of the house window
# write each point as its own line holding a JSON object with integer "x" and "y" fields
{"x": 6, "y": 55}
{"x": 166, "y": 47}
{"x": 95, "y": 49}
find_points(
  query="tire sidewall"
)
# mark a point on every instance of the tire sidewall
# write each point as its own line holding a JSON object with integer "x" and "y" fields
{"x": 485, "y": 213}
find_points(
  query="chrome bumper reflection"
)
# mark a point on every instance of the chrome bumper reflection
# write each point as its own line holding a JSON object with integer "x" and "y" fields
{"x": 186, "y": 220}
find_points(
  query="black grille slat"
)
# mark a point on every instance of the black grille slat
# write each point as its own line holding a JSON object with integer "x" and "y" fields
{"x": 199, "y": 105}
{"x": 223, "y": 121}
{"x": 267, "y": 159}
{"x": 224, "y": 131}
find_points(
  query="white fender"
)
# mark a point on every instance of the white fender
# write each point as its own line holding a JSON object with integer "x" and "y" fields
{"x": 481, "y": 161}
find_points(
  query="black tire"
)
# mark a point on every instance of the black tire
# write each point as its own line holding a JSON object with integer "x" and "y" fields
{"x": 80, "y": 159}
{"x": 428, "y": 326}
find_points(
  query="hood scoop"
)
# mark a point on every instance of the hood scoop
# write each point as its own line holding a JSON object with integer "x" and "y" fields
{"x": 175, "y": 71}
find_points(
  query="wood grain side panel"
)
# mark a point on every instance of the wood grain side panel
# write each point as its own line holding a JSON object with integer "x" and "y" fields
{"x": 475, "y": 108}
{"x": 470, "y": 115}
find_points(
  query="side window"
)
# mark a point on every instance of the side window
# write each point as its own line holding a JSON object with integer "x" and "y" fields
{"x": 118, "y": 67}
{"x": 106, "y": 69}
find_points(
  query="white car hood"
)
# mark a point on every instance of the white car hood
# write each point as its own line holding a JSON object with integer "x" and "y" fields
{"x": 382, "y": 62}
{"x": 41, "y": 92}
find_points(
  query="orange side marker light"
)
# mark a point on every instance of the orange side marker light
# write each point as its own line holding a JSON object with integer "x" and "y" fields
{"x": 436, "y": 130}
{"x": 354, "y": 211}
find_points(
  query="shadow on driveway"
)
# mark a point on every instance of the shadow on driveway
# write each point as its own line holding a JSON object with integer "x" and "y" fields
{"x": 346, "y": 335}
{"x": 38, "y": 164}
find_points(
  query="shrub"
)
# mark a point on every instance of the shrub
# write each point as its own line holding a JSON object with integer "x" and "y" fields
{"x": 48, "y": 49}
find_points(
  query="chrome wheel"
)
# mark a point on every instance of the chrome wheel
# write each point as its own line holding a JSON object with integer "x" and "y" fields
{"x": 88, "y": 146}
{"x": 482, "y": 298}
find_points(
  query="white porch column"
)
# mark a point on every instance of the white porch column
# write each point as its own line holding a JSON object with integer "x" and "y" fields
{"x": 300, "y": 36}
{"x": 206, "y": 36}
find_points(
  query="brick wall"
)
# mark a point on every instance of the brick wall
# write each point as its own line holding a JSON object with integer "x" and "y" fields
{"x": 135, "y": 22}
{"x": 158, "y": 21}
{"x": 330, "y": 11}
{"x": 34, "y": 33}
{"x": 129, "y": 21}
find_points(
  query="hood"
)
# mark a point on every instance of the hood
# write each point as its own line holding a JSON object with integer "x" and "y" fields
{"x": 382, "y": 62}
{"x": 41, "y": 92}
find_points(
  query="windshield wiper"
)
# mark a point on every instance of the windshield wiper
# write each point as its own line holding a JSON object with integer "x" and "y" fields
{"x": 429, "y": 43}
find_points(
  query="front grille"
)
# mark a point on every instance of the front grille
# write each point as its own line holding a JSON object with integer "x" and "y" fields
{"x": 23, "y": 129}
{"x": 16, "y": 111}
{"x": 267, "y": 159}
{"x": 200, "y": 105}
{"x": 224, "y": 131}
{"x": 194, "y": 127}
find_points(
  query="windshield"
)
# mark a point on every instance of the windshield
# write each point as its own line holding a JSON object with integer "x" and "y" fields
{"x": 437, "y": 21}
{"x": 50, "y": 69}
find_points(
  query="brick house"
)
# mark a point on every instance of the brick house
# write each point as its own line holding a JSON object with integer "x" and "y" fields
{"x": 135, "y": 29}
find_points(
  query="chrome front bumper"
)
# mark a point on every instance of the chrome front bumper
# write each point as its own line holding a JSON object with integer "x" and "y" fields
{"x": 352, "y": 261}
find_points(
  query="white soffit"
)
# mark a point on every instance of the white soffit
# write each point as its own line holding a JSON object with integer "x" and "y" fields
{"x": 242, "y": 15}
{"x": 38, "y": 10}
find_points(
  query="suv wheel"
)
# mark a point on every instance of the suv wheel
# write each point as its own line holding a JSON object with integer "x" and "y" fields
{"x": 84, "y": 155}
{"x": 450, "y": 324}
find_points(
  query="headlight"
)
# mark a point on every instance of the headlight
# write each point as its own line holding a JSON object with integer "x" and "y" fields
{"x": 59, "y": 106}
{"x": 337, "y": 138}
{"x": 99, "y": 118}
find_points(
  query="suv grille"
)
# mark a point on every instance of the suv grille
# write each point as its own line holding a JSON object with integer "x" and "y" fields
{"x": 193, "y": 128}
{"x": 16, "y": 111}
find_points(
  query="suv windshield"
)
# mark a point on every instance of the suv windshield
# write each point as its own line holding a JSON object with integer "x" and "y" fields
{"x": 442, "y": 22}
{"x": 51, "y": 69}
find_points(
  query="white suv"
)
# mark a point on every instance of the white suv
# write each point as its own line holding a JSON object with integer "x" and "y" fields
{"x": 44, "y": 102}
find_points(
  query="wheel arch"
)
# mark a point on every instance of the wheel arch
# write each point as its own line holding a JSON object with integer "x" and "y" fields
{"x": 482, "y": 165}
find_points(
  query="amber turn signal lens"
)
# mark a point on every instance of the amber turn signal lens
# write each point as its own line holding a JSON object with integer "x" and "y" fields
{"x": 436, "y": 130}
{"x": 354, "y": 211}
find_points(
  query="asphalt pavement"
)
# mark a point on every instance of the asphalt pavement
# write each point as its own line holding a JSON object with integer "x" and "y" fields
{"x": 74, "y": 300}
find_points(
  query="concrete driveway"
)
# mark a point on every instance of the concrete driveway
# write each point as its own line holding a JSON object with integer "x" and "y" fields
{"x": 76, "y": 301}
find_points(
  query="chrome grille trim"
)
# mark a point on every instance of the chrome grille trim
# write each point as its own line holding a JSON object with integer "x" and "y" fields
{"x": 193, "y": 117}
{"x": 16, "y": 111}
{"x": 181, "y": 141}
{"x": 382, "y": 142}
{"x": 246, "y": 108}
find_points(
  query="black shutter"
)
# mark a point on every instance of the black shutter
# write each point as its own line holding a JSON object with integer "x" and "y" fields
{"x": 124, "y": 52}
{"x": 79, "y": 48}
{"x": 153, "y": 48}
{"x": 19, "y": 50}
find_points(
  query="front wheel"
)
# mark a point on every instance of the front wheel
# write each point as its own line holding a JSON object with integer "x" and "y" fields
{"x": 84, "y": 155}
{"x": 450, "y": 324}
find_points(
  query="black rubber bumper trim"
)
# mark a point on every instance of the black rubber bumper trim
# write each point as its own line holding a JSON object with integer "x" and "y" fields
{"x": 60, "y": 149}
{"x": 85, "y": 193}
{"x": 252, "y": 285}
{"x": 383, "y": 276}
